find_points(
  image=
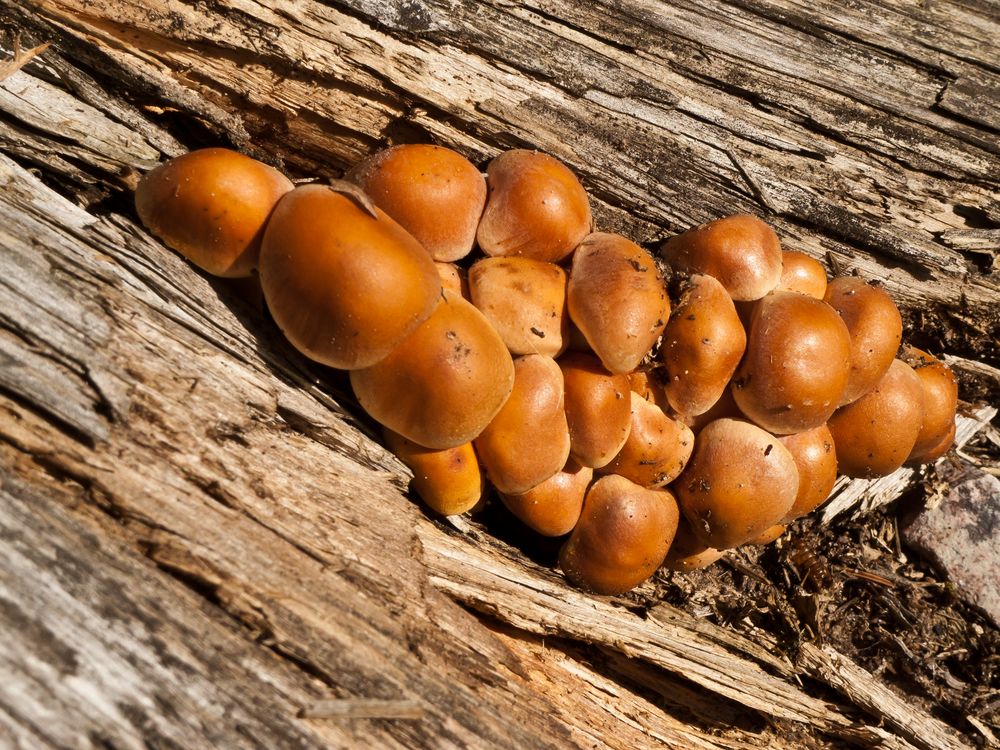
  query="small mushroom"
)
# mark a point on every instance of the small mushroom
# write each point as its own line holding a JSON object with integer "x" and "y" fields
{"x": 453, "y": 278}
{"x": 444, "y": 383}
{"x": 598, "y": 408}
{"x": 876, "y": 434}
{"x": 801, "y": 273}
{"x": 536, "y": 207}
{"x": 739, "y": 482}
{"x": 937, "y": 431}
{"x": 657, "y": 448}
{"x": 528, "y": 440}
{"x": 687, "y": 552}
{"x": 448, "y": 480}
{"x": 211, "y": 206}
{"x": 525, "y": 300}
{"x": 617, "y": 299}
{"x": 344, "y": 283}
{"x": 875, "y": 327}
{"x": 702, "y": 345}
{"x": 816, "y": 458}
{"x": 742, "y": 252}
{"x": 622, "y": 536}
{"x": 553, "y": 507}
{"x": 767, "y": 535}
{"x": 796, "y": 364}
{"x": 436, "y": 194}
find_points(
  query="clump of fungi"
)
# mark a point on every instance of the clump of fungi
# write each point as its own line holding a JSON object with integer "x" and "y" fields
{"x": 651, "y": 410}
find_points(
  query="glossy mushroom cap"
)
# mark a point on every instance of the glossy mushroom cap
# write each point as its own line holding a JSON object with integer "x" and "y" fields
{"x": 346, "y": 285}
{"x": 453, "y": 278}
{"x": 211, "y": 206}
{"x": 687, "y": 552}
{"x": 448, "y": 480}
{"x": 436, "y": 194}
{"x": 742, "y": 252}
{"x": 528, "y": 440}
{"x": 553, "y": 507}
{"x": 816, "y": 459}
{"x": 536, "y": 207}
{"x": 598, "y": 408}
{"x": 801, "y": 273}
{"x": 657, "y": 448}
{"x": 940, "y": 405}
{"x": 739, "y": 482}
{"x": 525, "y": 300}
{"x": 444, "y": 383}
{"x": 876, "y": 329}
{"x": 622, "y": 537}
{"x": 875, "y": 434}
{"x": 796, "y": 363}
{"x": 617, "y": 299}
{"x": 702, "y": 345}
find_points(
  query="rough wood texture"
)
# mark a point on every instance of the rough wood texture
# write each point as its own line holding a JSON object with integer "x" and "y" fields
{"x": 180, "y": 484}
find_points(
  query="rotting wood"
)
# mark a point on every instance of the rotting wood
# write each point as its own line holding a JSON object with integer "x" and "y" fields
{"x": 159, "y": 404}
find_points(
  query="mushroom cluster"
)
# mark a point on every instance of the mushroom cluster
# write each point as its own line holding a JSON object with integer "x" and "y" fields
{"x": 652, "y": 410}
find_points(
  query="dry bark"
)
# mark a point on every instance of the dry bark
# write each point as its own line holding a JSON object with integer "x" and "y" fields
{"x": 200, "y": 541}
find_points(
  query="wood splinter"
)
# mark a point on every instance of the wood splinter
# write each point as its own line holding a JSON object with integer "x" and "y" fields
{"x": 363, "y": 708}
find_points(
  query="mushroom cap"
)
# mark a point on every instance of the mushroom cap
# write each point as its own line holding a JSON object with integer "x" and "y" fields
{"x": 536, "y": 207}
{"x": 875, "y": 434}
{"x": 448, "y": 480}
{"x": 525, "y": 300}
{"x": 211, "y": 206}
{"x": 801, "y": 273}
{"x": 453, "y": 278}
{"x": 940, "y": 404}
{"x": 741, "y": 251}
{"x": 875, "y": 327}
{"x": 617, "y": 299}
{"x": 739, "y": 482}
{"x": 436, "y": 194}
{"x": 553, "y": 507}
{"x": 935, "y": 451}
{"x": 444, "y": 382}
{"x": 768, "y": 535}
{"x": 657, "y": 448}
{"x": 816, "y": 459}
{"x": 622, "y": 536}
{"x": 796, "y": 364}
{"x": 346, "y": 286}
{"x": 598, "y": 408}
{"x": 687, "y": 552}
{"x": 702, "y": 345}
{"x": 528, "y": 440}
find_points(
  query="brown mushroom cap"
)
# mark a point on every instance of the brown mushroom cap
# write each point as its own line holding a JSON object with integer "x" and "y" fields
{"x": 344, "y": 285}
{"x": 211, "y": 206}
{"x": 436, "y": 194}
{"x": 702, "y": 345}
{"x": 617, "y": 299}
{"x": 598, "y": 408}
{"x": 739, "y": 482}
{"x": 553, "y": 507}
{"x": 801, "y": 273}
{"x": 453, "y": 278}
{"x": 796, "y": 363}
{"x": 742, "y": 252}
{"x": 876, "y": 329}
{"x": 687, "y": 552}
{"x": 940, "y": 404}
{"x": 528, "y": 440}
{"x": 768, "y": 535}
{"x": 536, "y": 207}
{"x": 525, "y": 300}
{"x": 657, "y": 448}
{"x": 444, "y": 383}
{"x": 935, "y": 451}
{"x": 448, "y": 480}
{"x": 623, "y": 534}
{"x": 724, "y": 408}
{"x": 875, "y": 434}
{"x": 816, "y": 458}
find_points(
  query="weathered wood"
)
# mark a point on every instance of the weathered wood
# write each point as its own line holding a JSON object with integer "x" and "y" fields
{"x": 161, "y": 414}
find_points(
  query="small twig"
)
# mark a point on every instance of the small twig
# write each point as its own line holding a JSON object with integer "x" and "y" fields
{"x": 20, "y": 59}
{"x": 873, "y": 577}
{"x": 363, "y": 708}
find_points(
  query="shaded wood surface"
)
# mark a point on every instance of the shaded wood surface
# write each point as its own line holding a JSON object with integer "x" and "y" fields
{"x": 190, "y": 512}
